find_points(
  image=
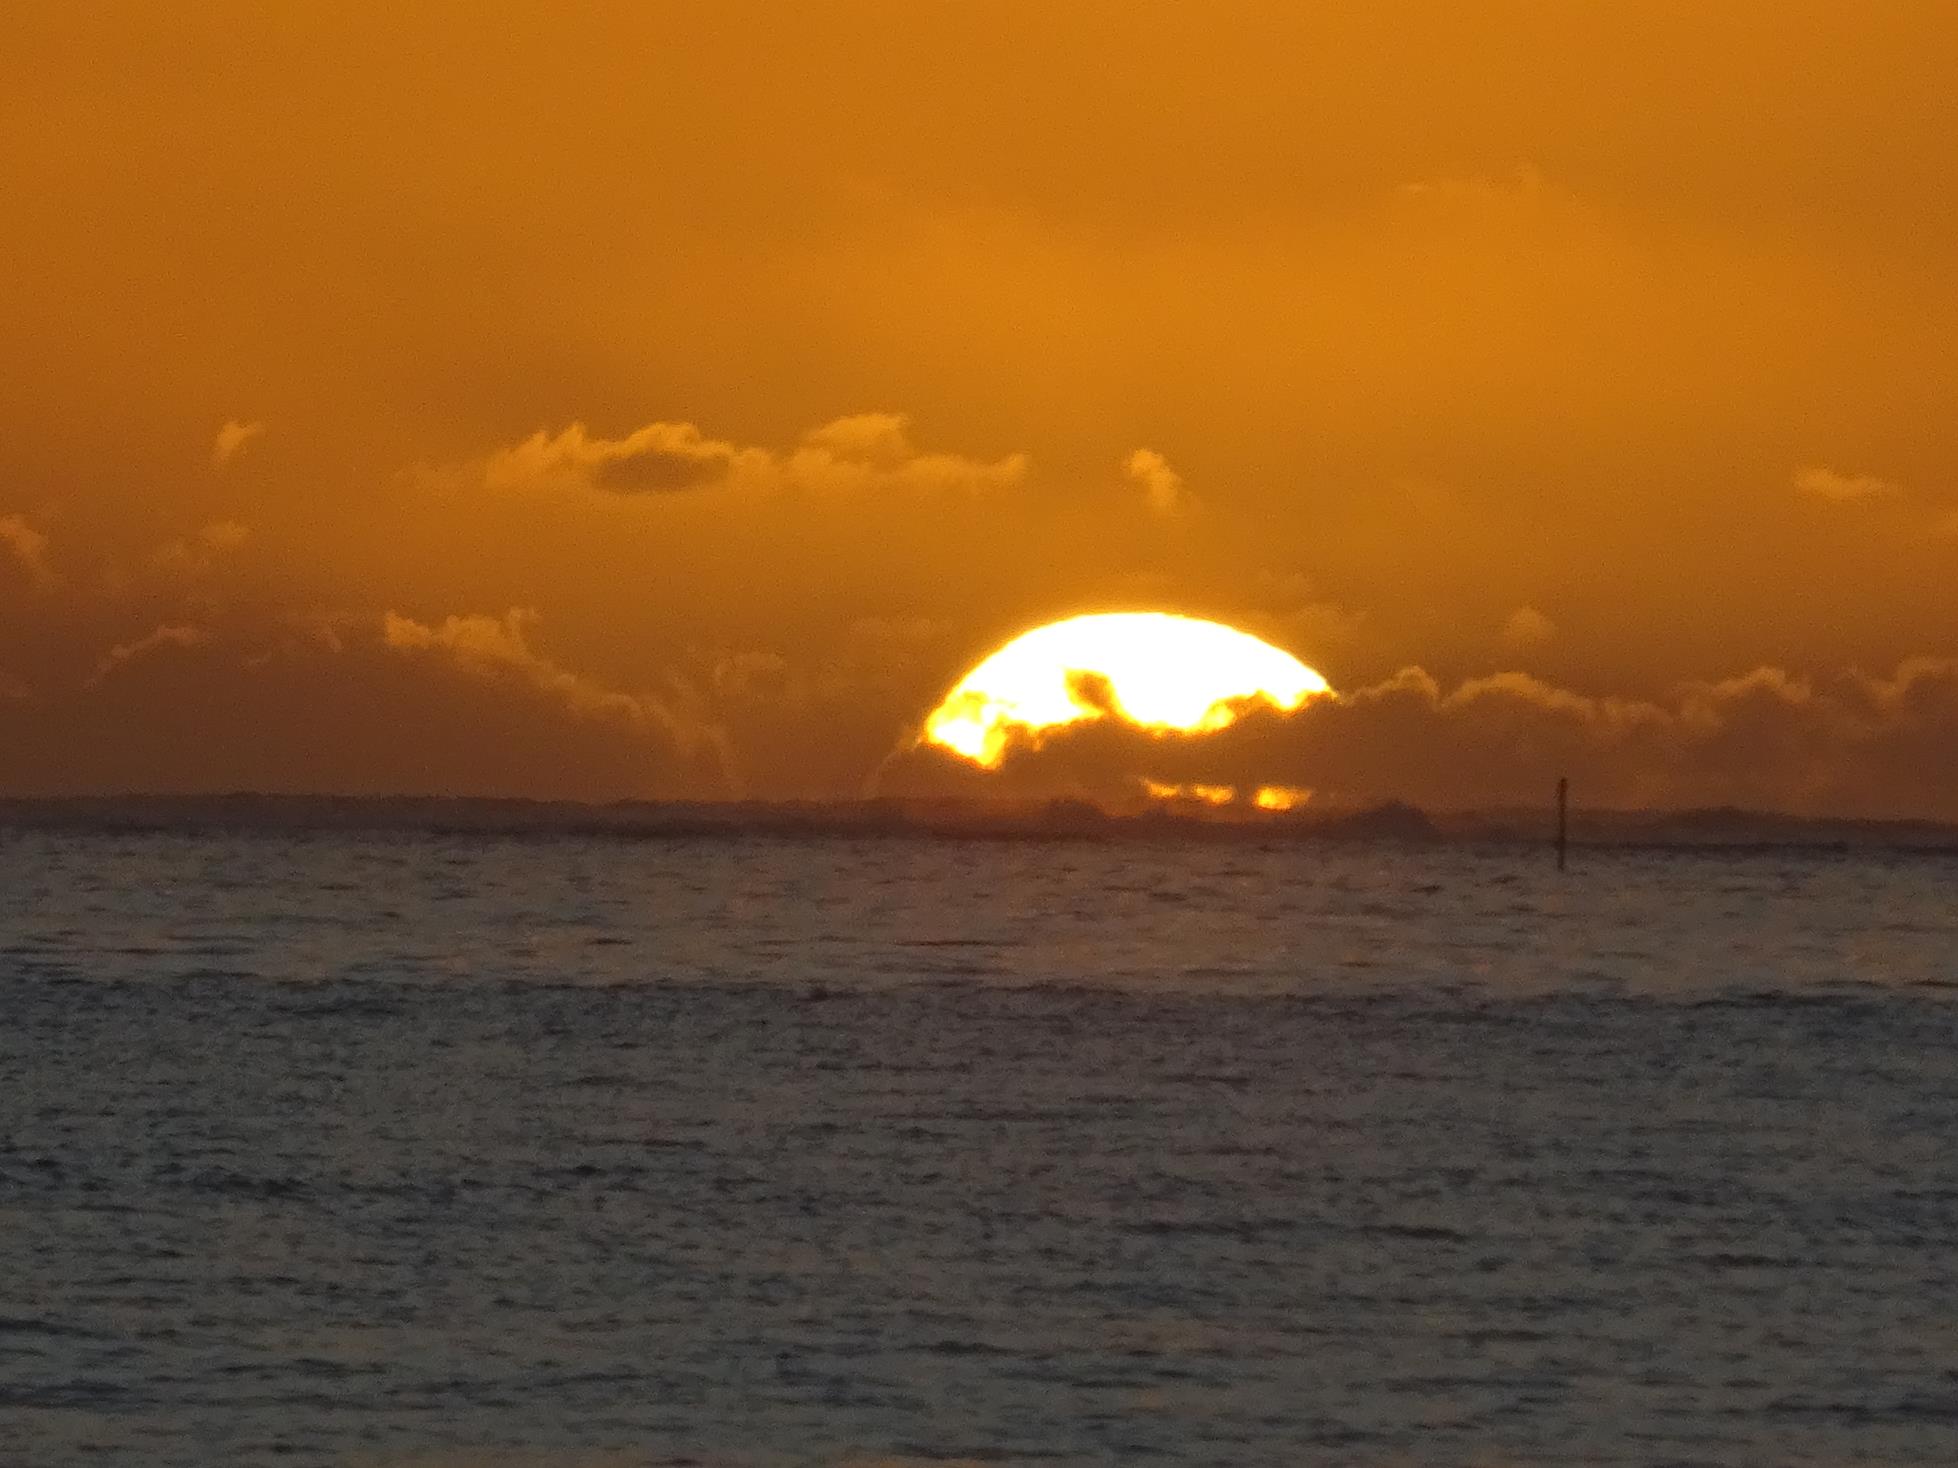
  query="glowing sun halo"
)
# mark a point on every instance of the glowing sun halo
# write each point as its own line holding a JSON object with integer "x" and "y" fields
{"x": 1154, "y": 669}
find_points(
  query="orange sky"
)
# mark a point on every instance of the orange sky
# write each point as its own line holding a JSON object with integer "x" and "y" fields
{"x": 677, "y": 399}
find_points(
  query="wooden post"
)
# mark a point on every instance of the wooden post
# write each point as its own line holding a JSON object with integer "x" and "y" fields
{"x": 1563, "y": 820}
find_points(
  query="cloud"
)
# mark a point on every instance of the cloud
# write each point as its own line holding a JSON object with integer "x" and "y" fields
{"x": 498, "y": 649}
{"x": 869, "y": 438}
{"x": 28, "y": 548}
{"x": 861, "y": 451}
{"x": 492, "y": 647}
{"x": 166, "y": 636}
{"x": 874, "y": 451}
{"x": 1769, "y": 739}
{"x": 896, "y": 632}
{"x": 1162, "y": 487}
{"x": 231, "y": 441}
{"x": 660, "y": 458}
{"x": 196, "y": 554}
{"x": 462, "y": 706}
{"x": 1286, "y": 608}
{"x": 1524, "y": 183}
{"x": 1526, "y": 627}
{"x": 1827, "y": 484}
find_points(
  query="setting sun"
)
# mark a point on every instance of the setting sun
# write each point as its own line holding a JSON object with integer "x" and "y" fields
{"x": 1153, "y": 669}
{"x": 713, "y": 614}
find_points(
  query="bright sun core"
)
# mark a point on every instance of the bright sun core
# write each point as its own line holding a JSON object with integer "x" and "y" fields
{"x": 1154, "y": 669}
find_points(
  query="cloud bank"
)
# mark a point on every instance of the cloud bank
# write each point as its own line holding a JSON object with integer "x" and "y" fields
{"x": 463, "y": 706}
{"x": 1853, "y": 744}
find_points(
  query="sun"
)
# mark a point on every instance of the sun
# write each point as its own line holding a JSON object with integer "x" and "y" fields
{"x": 1153, "y": 669}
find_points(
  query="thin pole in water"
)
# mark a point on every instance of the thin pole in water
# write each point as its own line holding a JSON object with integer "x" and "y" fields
{"x": 1563, "y": 820}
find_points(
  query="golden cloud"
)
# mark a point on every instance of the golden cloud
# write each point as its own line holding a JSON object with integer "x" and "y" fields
{"x": 1820, "y": 482}
{"x": 659, "y": 458}
{"x": 28, "y": 548}
{"x": 1162, "y": 487}
{"x": 231, "y": 440}
{"x": 128, "y": 652}
{"x": 1527, "y": 627}
{"x": 858, "y": 452}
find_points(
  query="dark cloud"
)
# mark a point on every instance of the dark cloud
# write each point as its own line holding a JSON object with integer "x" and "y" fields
{"x": 1851, "y": 744}
{"x": 460, "y": 707}
{"x": 656, "y": 472}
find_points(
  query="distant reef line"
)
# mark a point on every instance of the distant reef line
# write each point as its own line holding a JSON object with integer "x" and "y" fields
{"x": 954, "y": 819}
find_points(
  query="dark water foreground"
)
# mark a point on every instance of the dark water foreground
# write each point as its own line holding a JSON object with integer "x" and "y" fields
{"x": 553, "y": 1153}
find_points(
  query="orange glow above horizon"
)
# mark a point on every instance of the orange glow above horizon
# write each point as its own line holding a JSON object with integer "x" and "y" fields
{"x": 1200, "y": 793}
{"x": 1272, "y": 799}
{"x": 1277, "y": 798}
{"x": 1156, "y": 670}
{"x": 405, "y": 407}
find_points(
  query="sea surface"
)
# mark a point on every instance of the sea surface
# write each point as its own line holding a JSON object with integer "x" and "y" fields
{"x": 560, "y": 1153}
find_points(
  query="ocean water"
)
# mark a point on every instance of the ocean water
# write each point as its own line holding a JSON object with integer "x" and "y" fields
{"x": 557, "y": 1153}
